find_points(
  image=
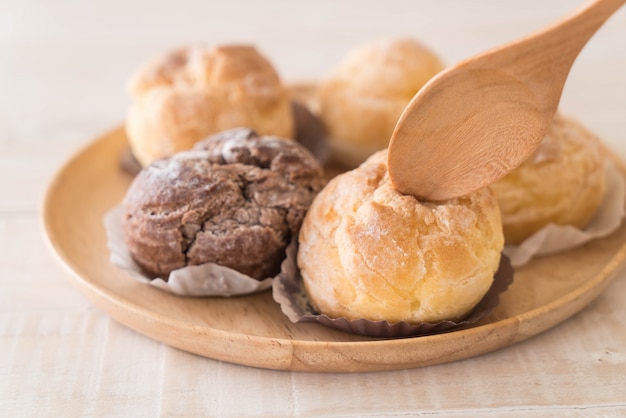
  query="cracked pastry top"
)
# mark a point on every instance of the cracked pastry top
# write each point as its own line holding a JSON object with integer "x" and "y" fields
{"x": 236, "y": 199}
{"x": 368, "y": 251}
{"x": 190, "y": 93}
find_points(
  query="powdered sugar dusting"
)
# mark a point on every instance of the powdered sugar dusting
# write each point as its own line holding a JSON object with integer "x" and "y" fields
{"x": 232, "y": 144}
{"x": 168, "y": 170}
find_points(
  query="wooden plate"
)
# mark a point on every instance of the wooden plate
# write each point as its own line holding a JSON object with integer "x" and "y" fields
{"x": 252, "y": 331}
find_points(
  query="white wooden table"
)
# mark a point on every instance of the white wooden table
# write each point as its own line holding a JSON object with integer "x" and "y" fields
{"x": 63, "y": 69}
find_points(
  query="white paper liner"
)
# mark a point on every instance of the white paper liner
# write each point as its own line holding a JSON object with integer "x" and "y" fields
{"x": 208, "y": 279}
{"x": 557, "y": 238}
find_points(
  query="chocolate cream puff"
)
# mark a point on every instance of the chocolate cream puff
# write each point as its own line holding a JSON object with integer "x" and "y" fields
{"x": 236, "y": 199}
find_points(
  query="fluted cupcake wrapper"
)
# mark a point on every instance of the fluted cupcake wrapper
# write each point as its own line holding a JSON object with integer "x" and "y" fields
{"x": 289, "y": 292}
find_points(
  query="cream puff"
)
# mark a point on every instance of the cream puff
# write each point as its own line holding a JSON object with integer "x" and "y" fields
{"x": 236, "y": 199}
{"x": 190, "y": 93}
{"x": 361, "y": 100}
{"x": 368, "y": 251}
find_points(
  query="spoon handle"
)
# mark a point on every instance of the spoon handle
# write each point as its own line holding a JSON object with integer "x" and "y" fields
{"x": 558, "y": 45}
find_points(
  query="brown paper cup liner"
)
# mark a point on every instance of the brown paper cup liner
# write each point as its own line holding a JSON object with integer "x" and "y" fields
{"x": 203, "y": 280}
{"x": 288, "y": 291}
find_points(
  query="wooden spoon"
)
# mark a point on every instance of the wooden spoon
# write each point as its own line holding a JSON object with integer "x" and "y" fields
{"x": 478, "y": 120}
